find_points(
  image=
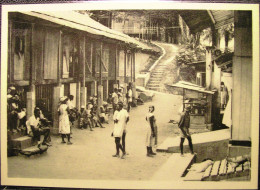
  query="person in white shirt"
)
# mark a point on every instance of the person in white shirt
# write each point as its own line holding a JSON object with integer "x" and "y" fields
{"x": 33, "y": 124}
{"x": 114, "y": 99}
{"x": 120, "y": 118}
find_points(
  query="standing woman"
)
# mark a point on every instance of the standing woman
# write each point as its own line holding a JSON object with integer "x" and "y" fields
{"x": 64, "y": 123}
{"x": 151, "y": 132}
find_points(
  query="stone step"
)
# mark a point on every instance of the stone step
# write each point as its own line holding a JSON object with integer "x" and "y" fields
{"x": 14, "y": 135}
{"x": 153, "y": 85}
{"x": 155, "y": 79}
{"x": 22, "y": 142}
{"x": 175, "y": 167}
{"x": 154, "y": 88}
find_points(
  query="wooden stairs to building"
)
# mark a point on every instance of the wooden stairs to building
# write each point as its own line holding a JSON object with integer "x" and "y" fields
{"x": 221, "y": 170}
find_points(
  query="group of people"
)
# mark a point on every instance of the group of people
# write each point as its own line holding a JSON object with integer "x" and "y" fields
{"x": 91, "y": 117}
{"x": 117, "y": 97}
{"x": 16, "y": 111}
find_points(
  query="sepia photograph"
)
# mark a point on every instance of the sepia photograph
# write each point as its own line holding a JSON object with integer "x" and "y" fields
{"x": 130, "y": 95}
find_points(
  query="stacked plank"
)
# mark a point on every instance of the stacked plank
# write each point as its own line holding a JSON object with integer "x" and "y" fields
{"x": 220, "y": 170}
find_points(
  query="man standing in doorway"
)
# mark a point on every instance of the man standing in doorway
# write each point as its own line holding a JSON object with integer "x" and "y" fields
{"x": 184, "y": 125}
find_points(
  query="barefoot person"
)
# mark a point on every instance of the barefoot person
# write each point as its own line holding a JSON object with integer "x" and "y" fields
{"x": 184, "y": 125}
{"x": 120, "y": 119}
{"x": 151, "y": 132}
{"x": 64, "y": 123}
{"x": 34, "y": 125}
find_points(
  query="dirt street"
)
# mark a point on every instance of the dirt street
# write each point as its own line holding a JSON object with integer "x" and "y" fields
{"x": 90, "y": 156}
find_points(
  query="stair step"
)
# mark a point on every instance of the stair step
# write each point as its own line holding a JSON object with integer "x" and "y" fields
{"x": 152, "y": 85}
{"x": 15, "y": 135}
{"x": 22, "y": 142}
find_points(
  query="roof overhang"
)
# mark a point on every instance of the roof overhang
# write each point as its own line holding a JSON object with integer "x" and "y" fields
{"x": 191, "y": 86}
{"x": 74, "y": 20}
{"x": 198, "y": 20}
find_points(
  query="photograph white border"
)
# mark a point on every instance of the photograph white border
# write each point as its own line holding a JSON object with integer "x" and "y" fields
{"x": 98, "y": 5}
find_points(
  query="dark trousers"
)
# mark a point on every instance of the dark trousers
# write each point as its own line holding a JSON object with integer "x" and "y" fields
{"x": 123, "y": 141}
{"x": 129, "y": 104}
{"x": 190, "y": 144}
{"x": 118, "y": 145}
{"x": 37, "y": 132}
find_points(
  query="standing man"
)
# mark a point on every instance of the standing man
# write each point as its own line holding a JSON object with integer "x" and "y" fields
{"x": 184, "y": 125}
{"x": 114, "y": 99}
{"x": 129, "y": 96}
{"x": 120, "y": 120}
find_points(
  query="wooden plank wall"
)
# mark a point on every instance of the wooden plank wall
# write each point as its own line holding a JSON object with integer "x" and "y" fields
{"x": 51, "y": 54}
{"x": 242, "y": 77}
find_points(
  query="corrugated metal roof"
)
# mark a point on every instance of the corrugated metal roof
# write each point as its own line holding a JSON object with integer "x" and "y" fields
{"x": 191, "y": 86}
{"x": 197, "y": 20}
{"x": 82, "y": 22}
{"x": 222, "y": 17}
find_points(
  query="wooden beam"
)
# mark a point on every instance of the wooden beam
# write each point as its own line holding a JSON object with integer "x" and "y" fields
{"x": 100, "y": 63}
{"x": 59, "y": 69}
{"x": 211, "y": 16}
{"x": 125, "y": 66}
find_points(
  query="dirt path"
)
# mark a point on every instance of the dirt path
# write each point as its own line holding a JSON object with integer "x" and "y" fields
{"x": 90, "y": 156}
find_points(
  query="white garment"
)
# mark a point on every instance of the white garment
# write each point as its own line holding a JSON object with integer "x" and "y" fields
{"x": 115, "y": 98}
{"x": 32, "y": 121}
{"x": 149, "y": 139}
{"x": 130, "y": 95}
{"x": 70, "y": 104}
{"x": 64, "y": 123}
{"x": 120, "y": 126}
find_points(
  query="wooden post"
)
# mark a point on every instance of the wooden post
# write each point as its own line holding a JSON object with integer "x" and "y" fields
{"x": 100, "y": 64}
{"x": 116, "y": 56}
{"x": 91, "y": 58}
{"x": 83, "y": 100}
{"x": 125, "y": 67}
{"x": 30, "y": 99}
{"x": 10, "y": 52}
{"x": 100, "y": 87}
{"x": 57, "y": 89}
{"x": 131, "y": 56}
{"x": 208, "y": 67}
{"x": 134, "y": 66}
{"x": 183, "y": 90}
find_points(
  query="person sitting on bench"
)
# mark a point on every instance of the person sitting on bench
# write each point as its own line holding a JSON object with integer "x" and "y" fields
{"x": 35, "y": 128}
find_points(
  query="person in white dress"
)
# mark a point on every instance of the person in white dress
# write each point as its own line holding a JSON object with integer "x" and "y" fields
{"x": 64, "y": 123}
{"x": 120, "y": 118}
{"x": 129, "y": 97}
{"x": 151, "y": 132}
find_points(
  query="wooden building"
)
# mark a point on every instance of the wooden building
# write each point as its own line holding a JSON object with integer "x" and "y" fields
{"x": 52, "y": 54}
{"x": 242, "y": 92}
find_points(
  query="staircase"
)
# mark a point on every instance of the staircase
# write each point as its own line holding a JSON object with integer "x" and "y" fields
{"x": 156, "y": 77}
